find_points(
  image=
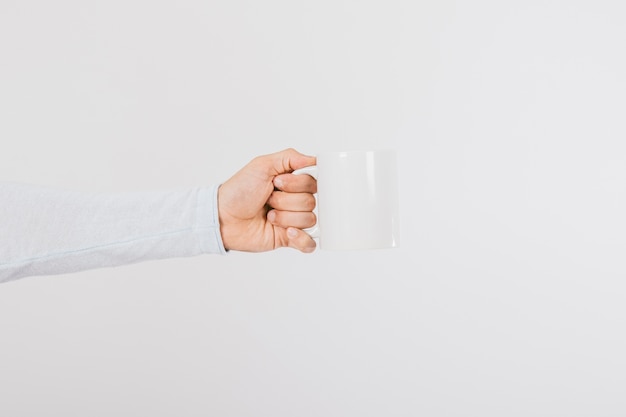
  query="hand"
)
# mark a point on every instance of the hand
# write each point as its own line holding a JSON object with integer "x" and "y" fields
{"x": 265, "y": 207}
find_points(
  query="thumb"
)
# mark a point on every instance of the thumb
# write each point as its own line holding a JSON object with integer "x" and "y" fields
{"x": 289, "y": 160}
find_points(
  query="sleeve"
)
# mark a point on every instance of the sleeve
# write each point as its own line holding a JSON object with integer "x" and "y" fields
{"x": 45, "y": 231}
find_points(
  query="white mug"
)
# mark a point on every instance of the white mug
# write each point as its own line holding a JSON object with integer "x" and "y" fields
{"x": 357, "y": 199}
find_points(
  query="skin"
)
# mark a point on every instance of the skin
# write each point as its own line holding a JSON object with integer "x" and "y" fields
{"x": 264, "y": 207}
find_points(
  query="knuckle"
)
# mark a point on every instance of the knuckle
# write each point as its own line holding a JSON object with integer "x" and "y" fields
{"x": 312, "y": 219}
{"x": 309, "y": 202}
{"x": 309, "y": 184}
{"x": 307, "y": 245}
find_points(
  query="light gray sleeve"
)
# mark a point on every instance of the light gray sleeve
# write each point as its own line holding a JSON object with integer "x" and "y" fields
{"x": 46, "y": 231}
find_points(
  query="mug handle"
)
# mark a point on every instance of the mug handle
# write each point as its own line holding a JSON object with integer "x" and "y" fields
{"x": 314, "y": 231}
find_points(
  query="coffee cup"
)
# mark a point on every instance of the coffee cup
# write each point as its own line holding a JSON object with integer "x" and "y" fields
{"x": 357, "y": 199}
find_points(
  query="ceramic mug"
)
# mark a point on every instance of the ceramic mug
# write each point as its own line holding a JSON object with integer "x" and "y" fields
{"x": 357, "y": 199}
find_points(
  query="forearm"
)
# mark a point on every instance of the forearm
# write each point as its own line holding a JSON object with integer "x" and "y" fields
{"x": 47, "y": 231}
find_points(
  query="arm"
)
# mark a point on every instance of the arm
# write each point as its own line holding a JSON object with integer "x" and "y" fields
{"x": 50, "y": 231}
{"x": 47, "y": 231}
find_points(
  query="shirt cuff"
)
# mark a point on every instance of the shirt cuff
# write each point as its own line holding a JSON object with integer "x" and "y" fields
{"x": 207, "y": 224}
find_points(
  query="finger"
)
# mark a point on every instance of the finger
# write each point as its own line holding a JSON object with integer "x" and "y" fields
{"x": 291, "y": 201}
{"x": 296, "y": 183}
{"x": 287, "y": 161}
{"x": 286, "y": 219}
{"x": 298, "y": 239}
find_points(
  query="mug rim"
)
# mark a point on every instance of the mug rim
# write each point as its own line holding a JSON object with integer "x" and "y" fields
{"x": 357, "y": 152}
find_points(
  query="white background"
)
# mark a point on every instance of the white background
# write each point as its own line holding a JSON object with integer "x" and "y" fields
{"x": 507, "y": 296}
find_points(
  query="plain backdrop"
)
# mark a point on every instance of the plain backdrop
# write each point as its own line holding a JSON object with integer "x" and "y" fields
{"x": 507, "y": 296}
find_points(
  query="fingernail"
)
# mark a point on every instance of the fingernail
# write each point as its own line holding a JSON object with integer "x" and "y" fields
{"x": 278, "y": 182}
{"x": 271, "y": 216}
{"x": 292, "y": 233}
